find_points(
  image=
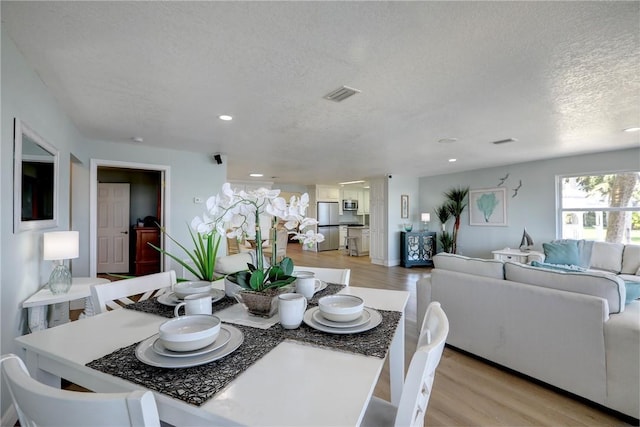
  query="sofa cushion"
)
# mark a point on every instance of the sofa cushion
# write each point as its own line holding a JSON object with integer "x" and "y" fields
{"x": 584, "y": 250}
{"x": 599, "y": 284}
{"x": 633, "y": 291}
{"x": 563, "y": 253}
{"x": 480, "y": 267}
{"x": 607, "y": 256}
{"x": 233, "y": 263}
{"x": 631, "y": 259}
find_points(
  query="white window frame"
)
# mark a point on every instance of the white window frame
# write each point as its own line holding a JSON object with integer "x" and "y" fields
{"x": 560, "y": 210}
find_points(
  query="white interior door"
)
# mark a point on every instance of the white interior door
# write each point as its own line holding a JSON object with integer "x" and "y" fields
{"x": 113, "y": 228}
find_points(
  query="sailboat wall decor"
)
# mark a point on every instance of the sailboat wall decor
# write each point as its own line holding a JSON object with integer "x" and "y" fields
{"x": 526, "y": 243}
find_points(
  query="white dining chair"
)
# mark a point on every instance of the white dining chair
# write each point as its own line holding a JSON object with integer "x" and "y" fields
{"x": 419, "y": 381}
{"x": 340, "y": 276}
{"x": 38, "y": 404}
{"x": 114, "y": 295}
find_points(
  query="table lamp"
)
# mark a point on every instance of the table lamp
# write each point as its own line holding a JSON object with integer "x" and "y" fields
{"x": 426, "y": 217}
{"x": 58, "y": 246}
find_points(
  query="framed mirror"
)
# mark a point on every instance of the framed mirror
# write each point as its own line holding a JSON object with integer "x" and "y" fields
{"x": 35, "y": 180}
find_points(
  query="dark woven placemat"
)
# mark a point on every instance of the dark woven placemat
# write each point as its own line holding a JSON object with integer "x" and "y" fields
{"x": 193, "y": 385}
{"x": 152, "y": 306}
{"x": 374, "y": 342}
{"x": 331, "y": 289}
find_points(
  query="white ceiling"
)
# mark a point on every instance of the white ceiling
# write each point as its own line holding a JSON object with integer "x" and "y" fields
{"x": 561, "y": 77}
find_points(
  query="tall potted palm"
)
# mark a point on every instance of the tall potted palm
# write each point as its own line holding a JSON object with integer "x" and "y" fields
{"x": 443, "y": 213}
{"x": 456, "y": 202}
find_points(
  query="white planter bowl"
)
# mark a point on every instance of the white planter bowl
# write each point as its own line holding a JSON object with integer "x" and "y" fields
{"x": 341, "y": 308}
{"x": 190, "y": 332}
{"x": 182, "y": 289}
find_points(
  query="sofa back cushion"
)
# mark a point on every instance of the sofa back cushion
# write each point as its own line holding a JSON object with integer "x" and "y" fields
{"x": 607, "y": 256}
{"x": 480, "y": 267}
{"x": 599, "y": 284}
{"x": 233, "y": 263}
{"x": 631, "y": 260}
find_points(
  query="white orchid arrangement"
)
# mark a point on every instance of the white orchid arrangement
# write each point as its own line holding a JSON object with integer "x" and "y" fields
{"x": 237, "y": 215}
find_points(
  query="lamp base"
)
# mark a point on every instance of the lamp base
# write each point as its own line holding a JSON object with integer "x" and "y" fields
{"x": 60, "y": 279}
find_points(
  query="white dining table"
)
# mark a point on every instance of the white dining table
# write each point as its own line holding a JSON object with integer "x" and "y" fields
{"x": 295, "y": 384}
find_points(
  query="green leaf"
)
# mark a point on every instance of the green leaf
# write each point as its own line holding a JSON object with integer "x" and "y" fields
{"x": 257, "y": 280}
{"x": 287, "y": 266}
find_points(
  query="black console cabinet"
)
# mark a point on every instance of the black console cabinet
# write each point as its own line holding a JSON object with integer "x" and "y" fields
{"x": 417, "y": 248}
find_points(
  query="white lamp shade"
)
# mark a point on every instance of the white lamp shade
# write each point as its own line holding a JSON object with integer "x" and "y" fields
{"x": 426, "y": 217}
{"x": 61, "y": 245}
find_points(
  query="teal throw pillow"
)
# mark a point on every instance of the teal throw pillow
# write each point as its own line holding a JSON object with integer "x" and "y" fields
{"x": 633, "y": 291}
{"x": 564, "y": 253}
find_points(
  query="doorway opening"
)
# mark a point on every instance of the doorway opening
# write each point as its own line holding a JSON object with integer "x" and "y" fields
{"x": 149, "y": 208}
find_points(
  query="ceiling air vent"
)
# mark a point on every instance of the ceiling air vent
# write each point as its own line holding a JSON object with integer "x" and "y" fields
{"x": 504, "y": 141}
{"x": 341, "y": 94}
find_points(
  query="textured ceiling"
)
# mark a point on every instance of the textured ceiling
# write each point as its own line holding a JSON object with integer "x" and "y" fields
{"x": 560, "y": 77}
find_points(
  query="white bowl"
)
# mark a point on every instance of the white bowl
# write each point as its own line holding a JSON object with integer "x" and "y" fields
{"x": 190, "y": 332}
{"x": 341, "y": 308}
{"x": 182, "y": 289}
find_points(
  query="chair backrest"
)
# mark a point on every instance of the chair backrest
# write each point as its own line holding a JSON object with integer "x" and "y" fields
{"x": 38, "y": 404}
{"x": 419, "y": 380}
{"x": 340, "y": 276}
{"x": 114, "y": 295}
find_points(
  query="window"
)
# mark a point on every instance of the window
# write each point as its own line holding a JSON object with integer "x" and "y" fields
{"x": 604, "y": 207}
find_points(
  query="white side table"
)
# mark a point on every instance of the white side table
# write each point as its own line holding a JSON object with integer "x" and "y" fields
{"x": 508, "y": 254}
{"x": 39, "y": 302}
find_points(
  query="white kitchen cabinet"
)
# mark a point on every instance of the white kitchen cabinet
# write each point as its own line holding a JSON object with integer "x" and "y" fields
{"x": 327, "y": 193}
{"x": 366, "y": 239}
{"x": 343, "y": 235}
{"x": 363, "y": 202}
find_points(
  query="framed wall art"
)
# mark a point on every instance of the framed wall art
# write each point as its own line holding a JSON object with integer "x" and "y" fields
{"x": 488, "y": 206}
{"x": 404, "y": 206}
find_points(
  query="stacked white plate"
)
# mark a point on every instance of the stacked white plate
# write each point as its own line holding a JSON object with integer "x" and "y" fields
{"x": 369, "y": 319}
{"x": 152, "y": 352}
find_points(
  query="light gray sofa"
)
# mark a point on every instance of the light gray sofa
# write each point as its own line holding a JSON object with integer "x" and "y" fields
{"x": 572, "y": 330}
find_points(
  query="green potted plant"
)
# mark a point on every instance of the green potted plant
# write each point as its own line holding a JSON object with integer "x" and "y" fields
{"x": 453, "y": 206}
{"x": 456, "y": 204}
{"x": 237, "y": 214}
{"x": 203, "y": 256}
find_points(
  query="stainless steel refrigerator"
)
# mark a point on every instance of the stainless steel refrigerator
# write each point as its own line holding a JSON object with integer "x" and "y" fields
{"x": 328, "y": 226}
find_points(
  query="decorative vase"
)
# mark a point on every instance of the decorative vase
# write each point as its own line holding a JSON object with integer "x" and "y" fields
{"x": 263, "y": 304}
{"x": 231, "y": 288}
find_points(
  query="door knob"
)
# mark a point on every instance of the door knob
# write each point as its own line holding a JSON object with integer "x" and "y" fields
{"x": 124, "y": 232}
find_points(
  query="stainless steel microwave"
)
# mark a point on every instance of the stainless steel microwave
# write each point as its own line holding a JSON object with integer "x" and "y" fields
{"x": 349, "y": 205}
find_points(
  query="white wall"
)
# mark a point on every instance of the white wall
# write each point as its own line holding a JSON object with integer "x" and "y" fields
{"x": 535, "y": 205}
{"x": 397, "y": 186}
{"x": 22, "y": 269}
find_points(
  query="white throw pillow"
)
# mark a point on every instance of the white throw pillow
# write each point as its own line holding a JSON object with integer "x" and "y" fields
{"x": 607, "y": 256}
{"x": 631, "y": 259}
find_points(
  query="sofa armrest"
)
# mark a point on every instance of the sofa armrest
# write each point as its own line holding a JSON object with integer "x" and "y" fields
{"x": 423, "y": 297}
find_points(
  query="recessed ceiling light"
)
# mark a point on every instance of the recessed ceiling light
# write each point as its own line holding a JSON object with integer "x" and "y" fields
{"x": 634, "y": 129}
{"x": 225, "y": 117}
{"x": 447, "y": 140}
{"x": 256, "y": 175}
{"x": 452, "y": 160}
{"x": 137, "y": 139}
{"x": 351, "y": 182}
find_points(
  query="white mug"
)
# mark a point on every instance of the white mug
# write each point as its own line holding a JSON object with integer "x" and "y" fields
{"x": 195, "y": 304}
{"x": 291, "y": 308}
{"x": 306, "y": 283}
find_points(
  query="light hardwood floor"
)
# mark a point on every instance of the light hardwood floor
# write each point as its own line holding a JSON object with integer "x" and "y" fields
{"x": 467, "y": 391}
